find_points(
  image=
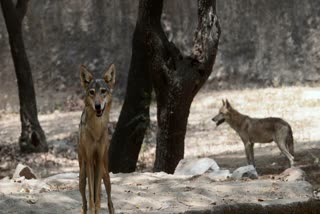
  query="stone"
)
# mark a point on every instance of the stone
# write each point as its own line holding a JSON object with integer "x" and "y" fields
{"x": 293, "y": 174}
{"x": 23, "y": 170}
{"x": 36, "y": 186}
{"x": 245, "y": 172}
{"x": 196, "y": 166}
{"x": 31, "y": 199}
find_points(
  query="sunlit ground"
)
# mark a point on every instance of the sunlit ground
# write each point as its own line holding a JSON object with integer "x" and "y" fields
{"x": 297, "y": 105}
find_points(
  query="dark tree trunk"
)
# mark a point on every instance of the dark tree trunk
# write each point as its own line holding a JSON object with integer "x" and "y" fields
{"x": 177, "y": 79}
{"x": 134, "y": 117}
{"x": 32, "y": 137}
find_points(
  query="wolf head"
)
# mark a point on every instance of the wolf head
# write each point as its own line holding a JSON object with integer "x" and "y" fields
{"x": 98, "y": 90}
{"x": 224, "y": 113}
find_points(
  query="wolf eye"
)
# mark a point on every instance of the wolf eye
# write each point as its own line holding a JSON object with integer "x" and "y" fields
{"x": 103, "y": 90}
{"x": 91, "y": 91}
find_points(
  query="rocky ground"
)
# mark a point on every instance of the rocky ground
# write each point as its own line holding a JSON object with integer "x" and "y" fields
{"x": 155, "y": 193}
{"x": 147, "y": 193}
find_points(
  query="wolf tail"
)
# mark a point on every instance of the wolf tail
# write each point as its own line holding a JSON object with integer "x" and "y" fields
{"x": 289, "y": 141}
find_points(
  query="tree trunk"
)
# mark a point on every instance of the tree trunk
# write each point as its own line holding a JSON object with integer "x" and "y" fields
{"x": 134, "y": 116}
{"x": 32, "y": 137}
{"x": 177, "y": 79}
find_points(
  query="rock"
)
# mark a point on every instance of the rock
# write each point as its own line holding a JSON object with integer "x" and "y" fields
{"x": 23, "y": 170}
{"x": 245, "y": 172}
{"x": 293, "y": 174}
{"x": 196, "y": 166}
{"x": 25, "y": 189}
{"x": 31, "y": 199}
{"x": 219, "y": 175}
{"x": 36, "y": 186}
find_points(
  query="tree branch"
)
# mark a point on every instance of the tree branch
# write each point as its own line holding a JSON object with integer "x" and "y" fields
{"x": 207, "y": 35}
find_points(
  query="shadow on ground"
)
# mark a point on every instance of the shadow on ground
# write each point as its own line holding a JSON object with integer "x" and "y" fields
{"x": 269, "y": 162}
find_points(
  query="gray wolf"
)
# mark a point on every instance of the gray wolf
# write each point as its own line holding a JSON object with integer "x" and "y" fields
{"x": 257, "y": 130}
{"x": 94, "y": 142}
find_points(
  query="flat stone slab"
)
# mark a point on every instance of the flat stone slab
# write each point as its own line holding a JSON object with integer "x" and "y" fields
{"x": 160, "y": 193}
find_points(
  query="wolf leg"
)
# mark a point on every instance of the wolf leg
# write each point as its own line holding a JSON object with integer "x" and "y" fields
{"x": 249, "y": 152}
{"x": 97, "y": 185}
{"x": 90, "y": 175}
{"x": 82, "y": 184}
{"x": 282, "y": 146}
{"x": 106, "y": 181}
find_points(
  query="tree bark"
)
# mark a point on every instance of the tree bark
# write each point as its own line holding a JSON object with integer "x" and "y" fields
{"x": 134, "y": 117}
{"x": 32, "y": 137}
{"x": 177, "y": 79}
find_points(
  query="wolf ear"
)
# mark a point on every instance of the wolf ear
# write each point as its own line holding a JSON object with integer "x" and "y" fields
{"x": 85, "y": 76}
{"x": 228, "y": 104}
{"x": 109, "y": 75}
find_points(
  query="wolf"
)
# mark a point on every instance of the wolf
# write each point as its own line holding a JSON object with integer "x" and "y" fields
{"x": 257, "y": 130}
{"x": 94, "y": 141}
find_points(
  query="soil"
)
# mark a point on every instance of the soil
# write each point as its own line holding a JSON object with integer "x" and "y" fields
{"x": 297, "y": 105}
{"x": 157, "y": 193}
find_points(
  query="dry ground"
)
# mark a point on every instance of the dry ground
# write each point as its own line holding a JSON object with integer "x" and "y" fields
{"x": 298, "y": 105}
{"x": 159, "y": 193}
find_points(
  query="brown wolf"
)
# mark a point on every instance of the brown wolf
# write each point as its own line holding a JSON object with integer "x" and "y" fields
{"x": 254, "y": 130}
{"x": 94, "y": 139}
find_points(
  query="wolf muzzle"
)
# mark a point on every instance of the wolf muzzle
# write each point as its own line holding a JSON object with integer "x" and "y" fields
{"x": 98, "y": 109}
{"x": 219, "y": 119}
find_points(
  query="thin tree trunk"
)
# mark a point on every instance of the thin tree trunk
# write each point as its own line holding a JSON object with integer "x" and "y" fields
{"x": 32, "y": 137}
{"x": 134, "y": 117}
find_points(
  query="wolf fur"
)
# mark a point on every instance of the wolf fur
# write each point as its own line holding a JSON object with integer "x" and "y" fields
{"x": 94, "y": 138}
{"x": 257, "y": 130}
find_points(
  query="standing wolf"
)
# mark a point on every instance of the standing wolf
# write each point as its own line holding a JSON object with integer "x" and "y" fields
{"x": 94, "y": 139}
{"x": 254, "y": 130}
